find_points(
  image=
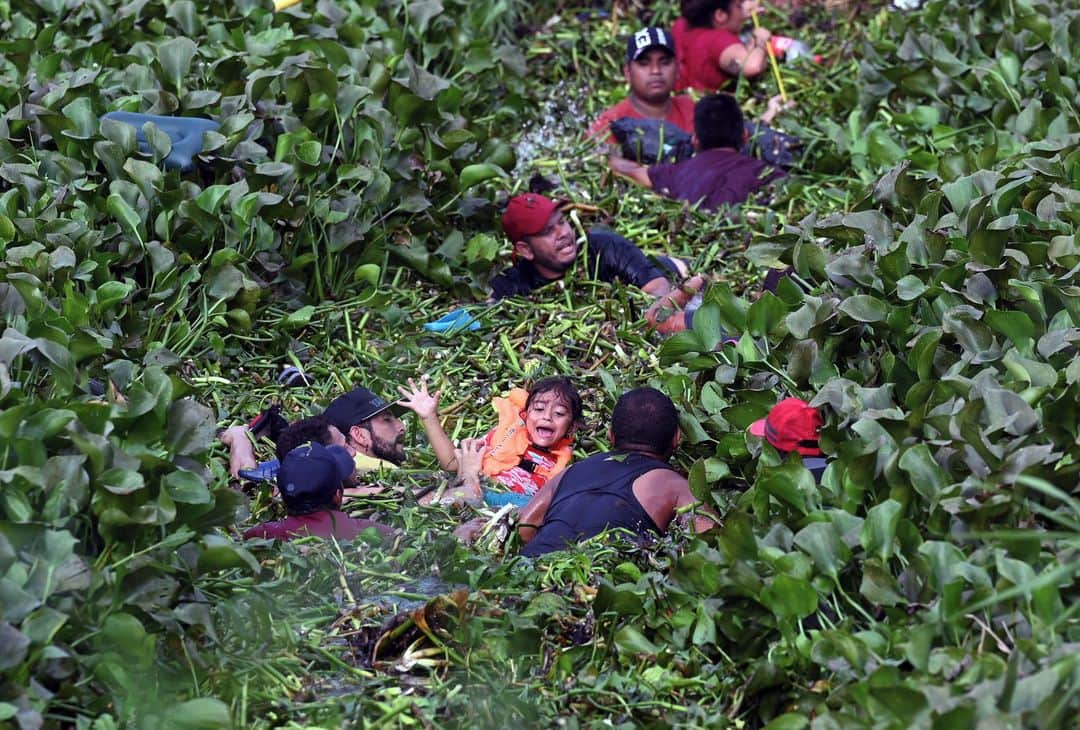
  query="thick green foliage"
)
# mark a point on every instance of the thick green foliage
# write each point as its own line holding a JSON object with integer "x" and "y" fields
{"x": 929, "y": 580}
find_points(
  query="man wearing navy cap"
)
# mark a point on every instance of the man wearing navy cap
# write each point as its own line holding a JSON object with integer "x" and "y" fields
{"x": 310, "y": 482}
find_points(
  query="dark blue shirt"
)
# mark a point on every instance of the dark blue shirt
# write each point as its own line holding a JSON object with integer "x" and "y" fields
{"x": 608, "y": 257}
{"x": 595, "y": 495}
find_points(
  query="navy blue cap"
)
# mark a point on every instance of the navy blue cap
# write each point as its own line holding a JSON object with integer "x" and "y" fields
{"x": 311, "y": 475}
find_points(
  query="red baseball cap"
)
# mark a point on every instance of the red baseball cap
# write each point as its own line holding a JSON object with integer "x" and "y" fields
{"x": 792, "y": 425}
{"x": 526, "y": 215}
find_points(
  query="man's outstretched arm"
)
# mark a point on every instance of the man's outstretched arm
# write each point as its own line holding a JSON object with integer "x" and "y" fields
{"x": 630, "y": 169}
{"x": 532, "y": 514}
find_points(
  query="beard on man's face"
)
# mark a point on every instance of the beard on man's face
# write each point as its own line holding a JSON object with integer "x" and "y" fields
{"x": 392, "y": 451}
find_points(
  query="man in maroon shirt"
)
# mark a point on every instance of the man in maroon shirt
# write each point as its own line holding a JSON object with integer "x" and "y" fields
{"x": 310, "y": 482}
{"x": 719, "y": 174}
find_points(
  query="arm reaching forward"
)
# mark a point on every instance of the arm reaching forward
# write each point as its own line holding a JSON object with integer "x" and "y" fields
{"x": 630, "y": 169}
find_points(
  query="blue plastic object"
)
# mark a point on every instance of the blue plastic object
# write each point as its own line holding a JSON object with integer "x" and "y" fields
{"x": 186, "y": 134}
{"x": 452, "y": 322}
{"x": 266, "y": 471}
{"x": 501, "y": 499}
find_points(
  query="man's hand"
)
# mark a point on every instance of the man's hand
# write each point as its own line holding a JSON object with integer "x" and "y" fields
{"x": 629, "y": 168}
{"x": 776, "y": 105}
{"x": 418, "y": 400}
{"x": 241, "y": 453}
{"x": 665, "y": 315}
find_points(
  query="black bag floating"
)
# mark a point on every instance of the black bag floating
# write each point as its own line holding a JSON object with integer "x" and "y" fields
{"x": 649, "y": 141}
{"x": 771, "y": 146}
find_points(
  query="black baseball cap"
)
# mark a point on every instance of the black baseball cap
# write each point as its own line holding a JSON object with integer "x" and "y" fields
{"x": 647, "y": 38}
{"x": 354, "y": 407}
{"x": 311, "y": 475}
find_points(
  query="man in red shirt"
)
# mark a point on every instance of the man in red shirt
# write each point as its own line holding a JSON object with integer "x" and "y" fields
{"x": 650, "y": 72}
{"x": 310, "y": 482}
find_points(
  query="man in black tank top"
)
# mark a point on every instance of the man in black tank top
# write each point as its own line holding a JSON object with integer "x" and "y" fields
{"x": 631, "y": 487}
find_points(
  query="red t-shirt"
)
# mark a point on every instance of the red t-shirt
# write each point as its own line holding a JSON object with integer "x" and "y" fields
{"x": 681, "y": 114}
{"x": 699, "y": 56}
{"x": 324, "y": 523}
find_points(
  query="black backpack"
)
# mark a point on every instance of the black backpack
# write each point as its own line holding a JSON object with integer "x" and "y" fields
{"x": 649, "y": 141}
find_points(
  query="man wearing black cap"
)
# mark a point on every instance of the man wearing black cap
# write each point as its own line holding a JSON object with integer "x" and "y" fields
{"x": 371, "y": 430}
{"x": 650, "y": 72}
{"x": 310, "y": 483}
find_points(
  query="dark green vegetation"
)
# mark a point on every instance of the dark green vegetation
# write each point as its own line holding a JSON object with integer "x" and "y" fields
{"x": 931, "y": 578}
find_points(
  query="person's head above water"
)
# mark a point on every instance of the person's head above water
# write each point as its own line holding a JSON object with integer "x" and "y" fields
{"x": 650, "y": 67}
{"x": 312, "y": 476}
{"x": 792, "y": 425}
{"x": 645, "y": 419}
{"x": 552, "y": 411}
{"x": 719, "y": 14}
{"x": 369, "y": 423}
{"x": 540, "y": 234}
{"x": 314, "y": 429}
{"x": 718, "y": 123}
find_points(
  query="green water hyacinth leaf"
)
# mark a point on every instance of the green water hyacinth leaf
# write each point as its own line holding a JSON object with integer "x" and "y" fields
{"x": 926, "y": 476}
{"x": 630, "y": 640}
{"x": 821, "y": 541}
{"x": 475, "y": 174}
{"x": 190, "y": 427}
{"x": 1017, "y": 326}
{"x": 175, "y": 57}
{"x": 789, "y": 597}
{"x": 186, "y": 487}
{"x": 878, "y": 533}
{"x": 14, "y": 646}
{"x": 123, "y": 212}
{"x": 864, "y": 308}
{"x": 204, "y": 713}
{"x": 788, "y": 721}
{"x": 220, "y": 553}
{"x": 792, "y": 484}
{"x": 765, "y": 314}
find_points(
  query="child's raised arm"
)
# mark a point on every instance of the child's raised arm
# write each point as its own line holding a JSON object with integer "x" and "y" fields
{"x": 426, "y": 406}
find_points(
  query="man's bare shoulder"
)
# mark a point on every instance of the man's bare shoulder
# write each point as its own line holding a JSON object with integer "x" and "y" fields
{"x": 661, "y": 479}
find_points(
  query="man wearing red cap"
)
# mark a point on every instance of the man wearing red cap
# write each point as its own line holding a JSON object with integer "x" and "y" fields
{"x": 545, "y": 247}
{"x": 793, "y": 425}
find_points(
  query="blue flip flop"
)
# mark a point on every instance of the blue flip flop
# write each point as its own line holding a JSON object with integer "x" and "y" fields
{"x": 501, "y": 499}
{"x": 266, "y": 471}
{"x": 186, "y": 134}
{"x": 453, "y": 322}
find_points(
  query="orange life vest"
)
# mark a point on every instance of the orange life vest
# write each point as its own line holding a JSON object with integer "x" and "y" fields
{"x": 508, "y": 441}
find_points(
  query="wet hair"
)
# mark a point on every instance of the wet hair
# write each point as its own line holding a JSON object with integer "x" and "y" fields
{"x": 699, "y": 13}
{"x": 718, "y": 122}
{"x": 315, "y": 429}
{"x": 562, "y": 389}
{"x": 645, "y": 418}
